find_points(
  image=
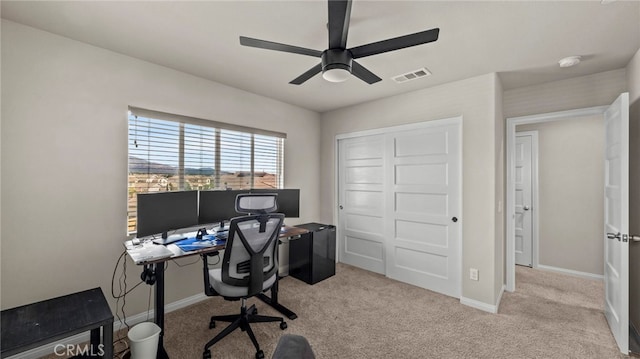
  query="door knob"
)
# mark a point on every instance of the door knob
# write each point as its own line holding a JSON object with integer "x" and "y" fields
{"x": 614, "y": 236}
{"x": 526, "y": 208}
{"x": 634, "y": 237}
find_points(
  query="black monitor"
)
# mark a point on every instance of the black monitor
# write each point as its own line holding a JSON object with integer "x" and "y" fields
{"x": 161, "y": 212}
{"x": 217, "y": 206}
{"x": 288, "y": 200}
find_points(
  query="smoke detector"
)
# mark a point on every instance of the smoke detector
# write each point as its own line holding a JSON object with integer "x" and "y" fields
{"x": 569, "y": 61}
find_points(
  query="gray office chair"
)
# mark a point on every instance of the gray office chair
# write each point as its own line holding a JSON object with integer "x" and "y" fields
{"x": 249, "y": 266}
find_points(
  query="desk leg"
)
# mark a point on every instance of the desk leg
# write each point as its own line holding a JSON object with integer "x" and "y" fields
{"x": 94, "y": 340}
{"x": 107, "y": 340}
{"x": 159, "y": 309}
{"x": 273, "y": 302}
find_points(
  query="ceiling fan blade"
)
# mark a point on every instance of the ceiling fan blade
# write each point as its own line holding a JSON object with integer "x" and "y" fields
{"x": 270, "y": 45}
{"x": 339, "y": 15}
{"x": 396, "y": 43}
{"x": 307, "y": 75}
{"x": 363, "y": 74}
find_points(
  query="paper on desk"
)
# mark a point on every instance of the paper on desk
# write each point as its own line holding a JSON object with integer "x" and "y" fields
{"x": 148, "y": 252}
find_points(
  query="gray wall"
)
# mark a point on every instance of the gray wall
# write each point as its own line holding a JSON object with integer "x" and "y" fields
{"x": 64, "y": 160}
{"x": 579, "y": 92}
{"x": 571, "y": 203}
{"x": 633, "y": 78}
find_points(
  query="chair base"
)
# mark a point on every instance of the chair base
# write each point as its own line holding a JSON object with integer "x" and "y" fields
{"x": 242, "y": 321}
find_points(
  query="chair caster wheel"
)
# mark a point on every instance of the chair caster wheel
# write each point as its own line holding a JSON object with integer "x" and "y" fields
{"x": 283, "y": 325}
{"x": 260, "y": 354}
{"x": 212, "y": 324}
{"x": 206, "y": 354}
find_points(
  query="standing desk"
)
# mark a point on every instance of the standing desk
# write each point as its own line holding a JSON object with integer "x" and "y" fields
{"x": 158, "y": 267}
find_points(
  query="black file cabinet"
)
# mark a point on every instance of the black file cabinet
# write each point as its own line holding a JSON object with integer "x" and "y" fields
{"x": 312, "y": 257}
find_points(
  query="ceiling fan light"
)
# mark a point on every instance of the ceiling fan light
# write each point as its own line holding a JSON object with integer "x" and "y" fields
{"x": 336, "y": 75}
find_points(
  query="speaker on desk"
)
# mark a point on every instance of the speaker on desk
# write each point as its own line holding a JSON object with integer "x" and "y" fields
{"x": 312, "y": 257}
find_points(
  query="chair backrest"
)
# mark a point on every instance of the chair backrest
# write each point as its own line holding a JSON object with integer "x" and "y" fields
{"x": 251, "y": 252}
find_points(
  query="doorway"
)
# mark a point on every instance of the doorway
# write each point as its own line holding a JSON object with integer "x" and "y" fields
{"x": 529, "y": 123}
{"x": 615, "y": 207}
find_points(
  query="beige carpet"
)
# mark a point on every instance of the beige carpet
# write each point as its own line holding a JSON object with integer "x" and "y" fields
{"x": 359, "y": 314}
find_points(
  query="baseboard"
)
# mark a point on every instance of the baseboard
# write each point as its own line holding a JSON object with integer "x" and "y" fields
{"x": 479, "y": 305}
{"x": 571, "y": 272}
{"x": 48, "y": 349}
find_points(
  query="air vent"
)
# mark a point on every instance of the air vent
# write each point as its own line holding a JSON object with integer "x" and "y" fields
{"x": 415, "y": 74}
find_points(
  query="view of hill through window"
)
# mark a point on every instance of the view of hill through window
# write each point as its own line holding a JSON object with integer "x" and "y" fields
{"x": 174, "y": 156}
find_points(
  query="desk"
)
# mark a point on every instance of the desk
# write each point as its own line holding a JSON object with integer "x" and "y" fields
{"x": 32, "y": 325}
{"x": 158, "y": 267}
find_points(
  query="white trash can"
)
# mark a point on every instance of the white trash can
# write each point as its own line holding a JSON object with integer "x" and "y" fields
{"x": 143, "y": 338}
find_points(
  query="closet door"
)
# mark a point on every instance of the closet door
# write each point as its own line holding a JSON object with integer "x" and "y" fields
{"x": 400, "y": 203}
{"x": 422, "y": 217}
{"x": 361, "y": 202}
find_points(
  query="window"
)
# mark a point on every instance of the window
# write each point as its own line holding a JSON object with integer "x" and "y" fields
{"x": 172, "y": 153}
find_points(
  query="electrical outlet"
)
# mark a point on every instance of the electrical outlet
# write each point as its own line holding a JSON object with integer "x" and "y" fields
{"x": 473, "y": 274}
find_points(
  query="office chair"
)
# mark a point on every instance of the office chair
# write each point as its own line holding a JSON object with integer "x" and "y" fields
{"x": 249, "y": 266}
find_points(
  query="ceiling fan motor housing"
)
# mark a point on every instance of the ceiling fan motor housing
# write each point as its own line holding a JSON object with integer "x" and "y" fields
{"x": 336, "y": 59}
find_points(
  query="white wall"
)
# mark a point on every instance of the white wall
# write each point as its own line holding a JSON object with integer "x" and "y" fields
{"x": 475, "y": 100}
{"x": 571, "y": 203}
{"x": 64, "y": 159}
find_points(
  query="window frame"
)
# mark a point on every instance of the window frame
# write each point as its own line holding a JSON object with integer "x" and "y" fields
{"x": 218, "y": 153}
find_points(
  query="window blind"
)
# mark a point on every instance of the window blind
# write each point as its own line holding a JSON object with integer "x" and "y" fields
{"x": 173, "y": 152}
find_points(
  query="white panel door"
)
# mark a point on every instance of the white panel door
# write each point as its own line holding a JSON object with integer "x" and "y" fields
{"x": 524, "y": 199}
{"x": 423, "y": 210}
{"x": 361, "y": 199}
{"x": 616, "y": 220}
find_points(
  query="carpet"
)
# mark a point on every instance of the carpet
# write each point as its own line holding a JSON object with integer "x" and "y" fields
{"x": 360, "y": 314}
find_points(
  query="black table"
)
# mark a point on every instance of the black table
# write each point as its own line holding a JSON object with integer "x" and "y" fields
{"x": 32, "y": 325}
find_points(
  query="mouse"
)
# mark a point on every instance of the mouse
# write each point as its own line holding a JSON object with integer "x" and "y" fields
{"x": 135, "y": 241}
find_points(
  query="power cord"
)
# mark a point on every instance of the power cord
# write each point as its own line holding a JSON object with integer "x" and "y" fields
{"x": 121, "y": 296}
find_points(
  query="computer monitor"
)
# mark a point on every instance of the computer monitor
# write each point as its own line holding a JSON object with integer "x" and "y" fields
{"x": 288, "y": 200}
{"x": 217, "y": 206}
{"x": 161, "y": 212}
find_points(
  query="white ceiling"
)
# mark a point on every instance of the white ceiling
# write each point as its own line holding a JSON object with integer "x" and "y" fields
{"x": 521, "y": 40}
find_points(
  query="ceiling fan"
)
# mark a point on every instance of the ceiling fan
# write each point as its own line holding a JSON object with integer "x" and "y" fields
{"x": 338, "y": 61}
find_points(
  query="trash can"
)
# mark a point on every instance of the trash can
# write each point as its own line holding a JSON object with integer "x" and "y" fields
{"x": 143, "y": 339}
